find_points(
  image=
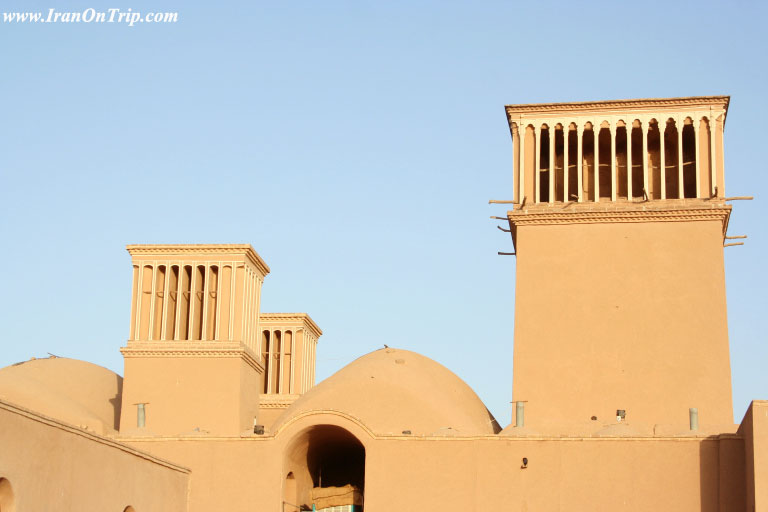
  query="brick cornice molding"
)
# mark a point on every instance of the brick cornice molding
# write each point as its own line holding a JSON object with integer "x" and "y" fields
{"x": 174, "y": 249}
{"x": 703, "y": 102}
{"x": 303, "y": 318}
{"x": 276, "y": 401}
{"x": 549, "y": 216}
{"x": 201, "y": 349}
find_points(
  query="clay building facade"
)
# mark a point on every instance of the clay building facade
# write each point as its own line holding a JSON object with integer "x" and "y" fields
{"x": 619, "y": 218}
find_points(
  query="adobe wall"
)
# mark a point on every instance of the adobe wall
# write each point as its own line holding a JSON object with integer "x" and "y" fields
{"x": 574, "y": 474}
{"x": 754, "y": 429}
{"x": 459, "y": 474}
{"x": 53, "y": 466}
{"x": 231, "y": 474}
{"x": 217, "y": 395}
{"x": 621, "y": 315}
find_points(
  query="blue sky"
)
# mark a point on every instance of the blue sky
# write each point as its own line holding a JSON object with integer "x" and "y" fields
{"x": 354, "y": 144}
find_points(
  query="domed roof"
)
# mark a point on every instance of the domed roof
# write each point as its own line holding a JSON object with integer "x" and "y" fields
{"x": 69, "y": 390}
{"x": 393, "y": 390}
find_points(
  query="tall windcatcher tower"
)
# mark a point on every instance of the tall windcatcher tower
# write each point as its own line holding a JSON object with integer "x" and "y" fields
{"x": 618, "y": 223}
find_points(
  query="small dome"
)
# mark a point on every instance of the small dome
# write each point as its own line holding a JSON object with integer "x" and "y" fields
{"x": 393, "y": 390}
{"x": 69, "y": 390}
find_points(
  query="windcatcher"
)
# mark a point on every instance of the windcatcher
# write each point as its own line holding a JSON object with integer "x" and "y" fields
{"x": 192, "y": 360}
{"x": 618, "y": 223}
{"x": 288, "y": 349}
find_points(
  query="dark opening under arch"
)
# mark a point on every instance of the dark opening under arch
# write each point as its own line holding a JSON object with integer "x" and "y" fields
{"x": 335, "y": 458}
{"x": 326, "y": 467}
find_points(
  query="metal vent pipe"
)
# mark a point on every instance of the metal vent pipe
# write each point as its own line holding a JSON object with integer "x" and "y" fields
{"x": 141, "y": 416}
{"x": 693, "y": 417}
{"x": 519, "y": 414}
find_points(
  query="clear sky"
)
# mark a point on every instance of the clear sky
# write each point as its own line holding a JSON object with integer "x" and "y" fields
{"x": 355, "y": 145}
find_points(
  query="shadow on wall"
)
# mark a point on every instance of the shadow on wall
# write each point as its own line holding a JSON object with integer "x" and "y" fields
{"x": 7, "y": 502}
{"x": 709, "y": 475}
{"x": 320, "y": 459}
{"x": 721, "y": 474}
{"x": 117, "y": 403}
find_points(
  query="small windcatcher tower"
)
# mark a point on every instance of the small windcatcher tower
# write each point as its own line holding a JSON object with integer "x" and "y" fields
{"x": 619, "y": 222}
{"x": 193, "y": 359}
{"x": 288, "y": 349}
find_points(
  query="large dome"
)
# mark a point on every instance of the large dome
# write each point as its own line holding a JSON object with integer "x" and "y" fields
{"x": 69, "y": 390}
{"x": 392, "y": 391}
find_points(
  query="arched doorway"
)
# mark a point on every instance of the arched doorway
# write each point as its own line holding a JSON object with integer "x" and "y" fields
{"x": 6, "y": 496}
{"x": 324, "y": 466}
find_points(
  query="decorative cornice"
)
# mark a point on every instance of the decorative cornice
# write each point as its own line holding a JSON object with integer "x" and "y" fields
{"x": 703, "y": 101}
{"x": 292, "y": 317}
{"x": 202, "y": 349}
{"x": 246, "y": 250}
{"x": 314, "y": 412}
{"x": 593, "y": 214}
{"x": 276, "y": 401}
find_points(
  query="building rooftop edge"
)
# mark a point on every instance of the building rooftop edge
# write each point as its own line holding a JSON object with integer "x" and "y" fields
{"x": 301, "y": 316}
{"x": 607, "y": 104}
{"x": 246, "y": 249}
{"x": 89, "y": 434}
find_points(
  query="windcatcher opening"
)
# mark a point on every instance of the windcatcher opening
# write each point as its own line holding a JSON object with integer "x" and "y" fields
{"x": 654, "y": 160}
{"x": 544, "y": 165}
{"x": 671, "y": 160}
{"x": 266, "y": 348}
{"x": 588, "y": 157}
{"x": 690, "y": 188}
{"x": 622, "y": 163}
{"x": 635, "y": 139}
